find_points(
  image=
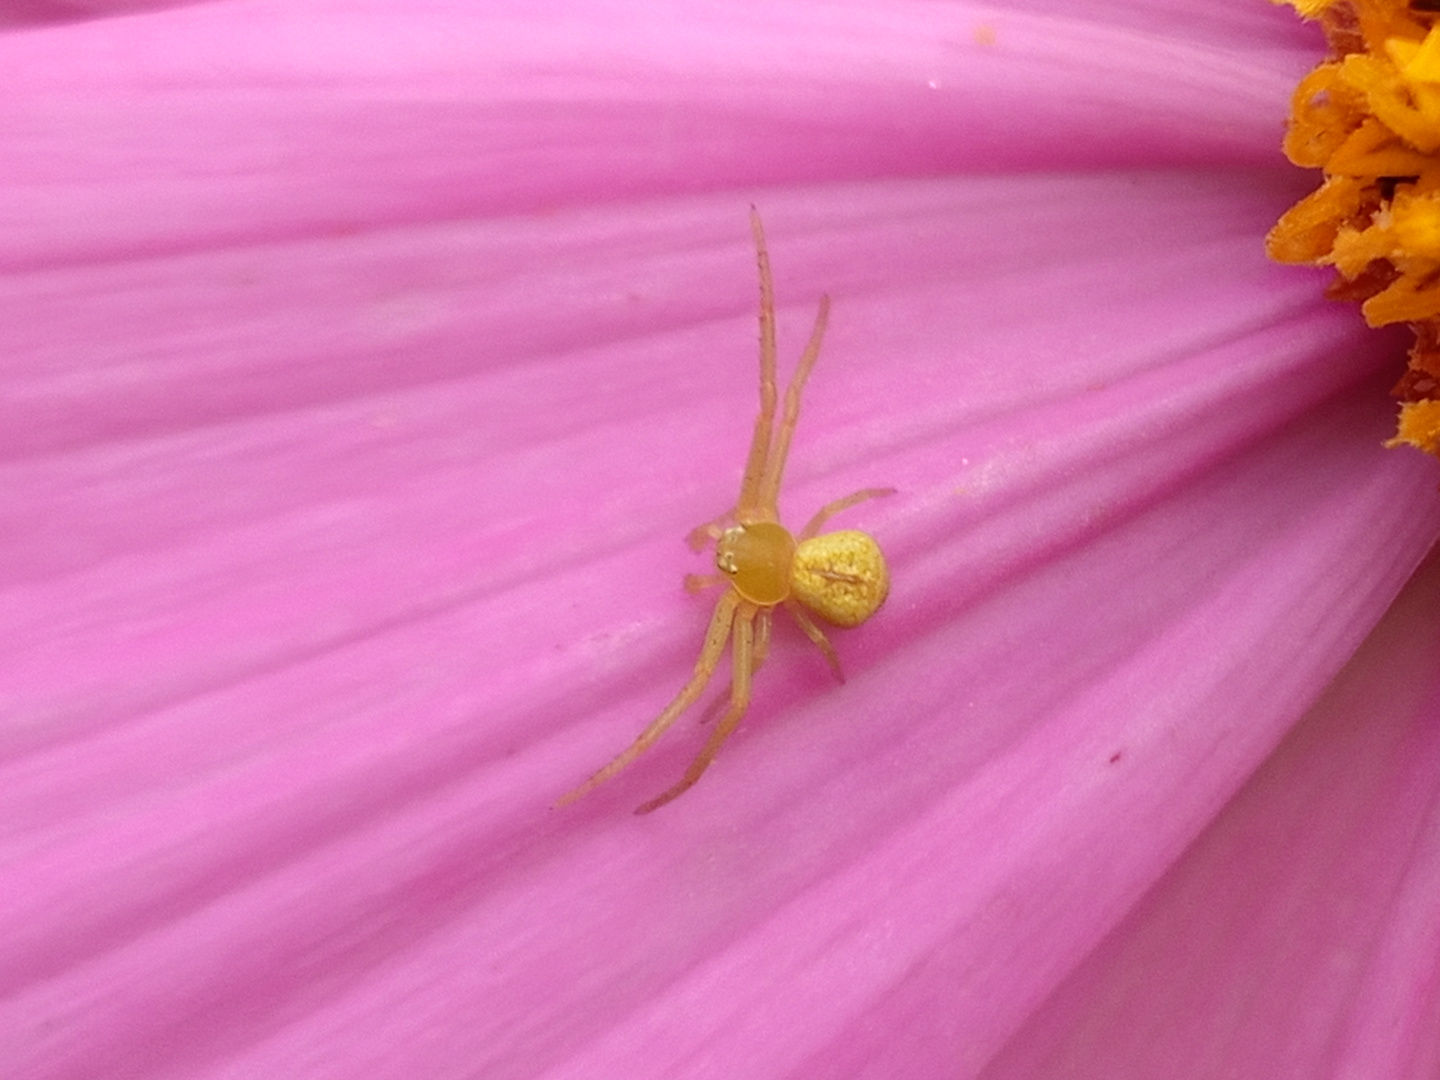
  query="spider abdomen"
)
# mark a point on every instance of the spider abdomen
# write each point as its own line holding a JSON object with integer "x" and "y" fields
{"x": 841, "y": 576}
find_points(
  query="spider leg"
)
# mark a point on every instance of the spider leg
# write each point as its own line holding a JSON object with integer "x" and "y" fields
{"x": 829, "y": 510}
{"x": 775, "y": 467}
{"x": 715, "y": 638}
{"x": 708, "y": 533}
{"x": 758, "y": 654}
{"x": 742, "y": 659}
{"x": 755, "y": 465}
{"x": 699, "y": 582}
{"x": 815, "y": 634}
{"x": 762, "y": 638}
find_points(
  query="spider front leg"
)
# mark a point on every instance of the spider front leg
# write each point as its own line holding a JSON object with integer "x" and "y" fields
{"x": 742, "y": 659}
{"x": 715, "y": 638}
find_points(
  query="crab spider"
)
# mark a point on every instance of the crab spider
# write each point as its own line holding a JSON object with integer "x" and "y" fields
{"x": 840, "y": 577}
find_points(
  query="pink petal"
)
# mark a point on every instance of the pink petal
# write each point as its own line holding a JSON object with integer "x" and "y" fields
{"x": 264, "y": 119}
{"x": 352, "y": 711}
{"x": 1297, "y": 938}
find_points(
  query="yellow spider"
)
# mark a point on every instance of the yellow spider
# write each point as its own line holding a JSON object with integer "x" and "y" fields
{"x": 839, "y": 576}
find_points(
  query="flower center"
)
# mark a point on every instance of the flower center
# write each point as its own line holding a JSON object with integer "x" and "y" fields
{"x": 1369, "y": 116}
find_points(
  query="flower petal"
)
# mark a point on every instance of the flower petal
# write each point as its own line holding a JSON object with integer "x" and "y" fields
{"x": 348, "y": 689}
{"x": 1297, "y": 936}
{"x": 260, "y": 119}
{"x": 336, "y": 553}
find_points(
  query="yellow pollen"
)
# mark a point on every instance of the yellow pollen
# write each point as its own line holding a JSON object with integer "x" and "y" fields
{"x": 1369, "y": 117}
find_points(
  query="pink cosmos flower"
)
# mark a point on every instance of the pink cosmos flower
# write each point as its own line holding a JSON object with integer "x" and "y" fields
{"x": 364, "y": 364}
